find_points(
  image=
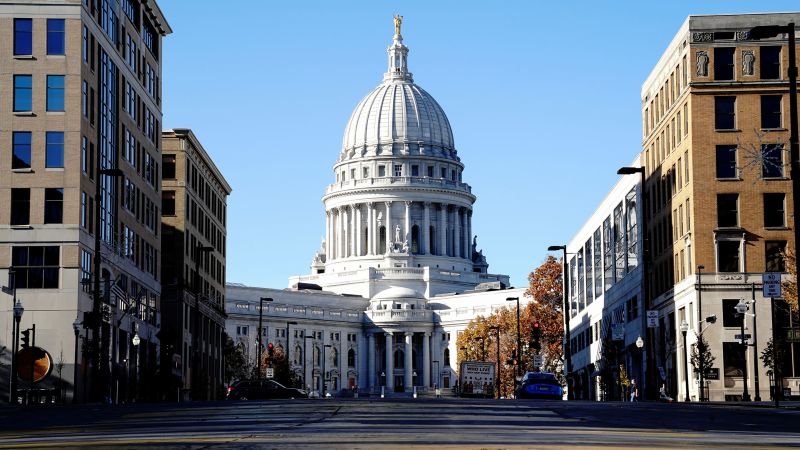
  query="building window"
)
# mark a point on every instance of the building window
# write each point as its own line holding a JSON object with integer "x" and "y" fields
{"x": 351, "y": 358}
{"x": 85, "y": 99}
{"x": 728, "y": 256}
{"x": 84, "y": 154}
{"x": 726, "y": 161}
{"x": 723, "y": 63}
{"x": 774, "y": 210}
{"x": 381, "y": 171}
{"x": 771, "y": 111}
{"x": 35, "y": 267}
{"x": 772, "y": 160}
{"x": 84, "y": 210}
{"x": 21, "y": 152}
{"x": 725, "y": 113}
{"x": 20, "y": 206}
{"x": 55, "y": 37}
{"x": 398, "y": 170}
{"x": 23, "y": 93}
{"x": 444, "y": 172}
{"x": 168, "y": 167}
{"x": 54, "y": 151}
{"x": 23, "y": 36}
{"x": 365, "y": 172}
{"x": 770, "y": 63}
{"x": 85, "y": 46}
{"x": 733, "y": 357}
{"x": 730, "y": 318}
{"x": 54, "y": 205}
{"x": 773, "y": 254}
{"x": 727, "y": 210}
{"x": 414, "y": 170}
{"x": 430, "y": 171}
{"x": 168, "y": 203}
{"x": 55, "y": 92}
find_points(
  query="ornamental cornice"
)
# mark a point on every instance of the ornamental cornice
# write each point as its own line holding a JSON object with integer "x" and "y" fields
{"x": 382, "y": 190}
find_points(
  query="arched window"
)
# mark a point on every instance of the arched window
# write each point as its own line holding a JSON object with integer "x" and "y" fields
{"x": 351, "y": 358}
{"x": 317, "y": 356}
{"x": 415, "y": 239}
{"x": 446, "y": 357}
{"x": 432, "y": 241}
{"x": 298, "y": 355}
{"x": 399, "y": 359}
{"x": 382, "y": 240}
{"x": 334, "y": 358}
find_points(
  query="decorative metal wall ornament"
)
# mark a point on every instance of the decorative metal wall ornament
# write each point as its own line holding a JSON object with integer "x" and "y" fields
{"x": 706, "y": 36}
{"x": 702, "y": 64}
{"x": 748, "y": 62}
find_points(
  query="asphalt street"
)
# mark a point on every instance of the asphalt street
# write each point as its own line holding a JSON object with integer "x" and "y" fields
{"x": 422, "y": 423}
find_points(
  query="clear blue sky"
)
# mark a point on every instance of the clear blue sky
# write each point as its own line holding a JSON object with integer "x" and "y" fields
{"x": 543, "y": 98}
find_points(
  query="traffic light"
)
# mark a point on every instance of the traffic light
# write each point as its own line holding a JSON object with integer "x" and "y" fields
{"x": 536, "y": 335}
{"x": 26, "y": 338}
{"x": 270, "y": 350}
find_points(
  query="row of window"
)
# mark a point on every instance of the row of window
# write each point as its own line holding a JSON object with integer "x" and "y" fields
{"x": 658, "y": 107}
{"x": 725, "y": 112}
{"x": 23, "y": 93}
{"x": 397, "y": 171}
{"x": 725, "y": 63}
{"x": 23, "y": 37}
{"x": 22, "y": 150}
{"x": 196, "y": 215}
{"x": 211, "y": 197}
{"x": 774, "y": 210}
{"x": 21, "y": 206}
{"x": 669, "y": 140}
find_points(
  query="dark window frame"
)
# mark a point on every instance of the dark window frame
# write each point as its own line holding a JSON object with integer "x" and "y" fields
{"x": 727, "y": 210}
{"x": 724, "y": 63}
{"x": 21, "y": 149}
{"x": 771, "y": 112}
{"x": 23, "y": 37}
{"x": 726, "y": 166}
{"x": 55, "y": 93}
{"x": 772, "y": 161}
{"x": 774, "y": 210}
{"x": 36, "y": 267}
{"x": 20, "y": 206}
{"x": 54, "y": 205}
{"x": 56, "y": 32}
{"x": 770, "y": 62}
{"x": 725, "y": 112}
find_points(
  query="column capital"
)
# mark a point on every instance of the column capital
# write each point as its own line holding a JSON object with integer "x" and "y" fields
{"x": 387, "y": 333}
{"x": 427, "y": 334}
{"x": 387, "y": 203}
{"x": 409, "y": 333}
{"x": 427, "y": 204}
{"x": 408, "y": 203}
{"x": 328, "y": 213}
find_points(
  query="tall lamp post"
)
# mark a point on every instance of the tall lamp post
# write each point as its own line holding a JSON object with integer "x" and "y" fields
{"x": 76, "y": 327}
{"x": 566, "y": 314}
{"x": 18, "y": 310}
{"x": 324, "y": 361}
{"x": 768, "y": 31}
{"x": 135, "y": 341}
{"x": 260, "y": 333}
{"x": 305, "y": 365}
{"x": 649, "y": 380}
{"x": 12, "y": 281}
{"x": 741, "y": 309}
{"x": 519, "y": 339}
{"x": 200, "y": 250}
{"x": 289, "y": 346}
{"x": 700, "y": 314}
{"x": 684, "y": 329}
{"x": 497, "y": 382}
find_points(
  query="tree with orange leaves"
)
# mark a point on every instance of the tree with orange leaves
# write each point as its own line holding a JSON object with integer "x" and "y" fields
{"x": 546, "y": 289}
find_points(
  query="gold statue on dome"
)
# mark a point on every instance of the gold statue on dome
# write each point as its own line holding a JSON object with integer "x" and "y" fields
{"x": 398, "y": 20}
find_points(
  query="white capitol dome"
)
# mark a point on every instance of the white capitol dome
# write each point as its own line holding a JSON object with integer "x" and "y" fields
{"x": 398, "y": 112}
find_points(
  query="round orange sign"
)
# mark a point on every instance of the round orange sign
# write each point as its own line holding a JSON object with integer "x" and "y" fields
{"x": 33, "y": 363}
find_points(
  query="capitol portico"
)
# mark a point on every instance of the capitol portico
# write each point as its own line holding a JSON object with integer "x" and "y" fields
{"x": 399, "y": 273}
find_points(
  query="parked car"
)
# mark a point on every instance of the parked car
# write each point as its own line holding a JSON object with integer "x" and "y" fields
{"x": 262, "y": 389}
{"x": 540, "y": 385}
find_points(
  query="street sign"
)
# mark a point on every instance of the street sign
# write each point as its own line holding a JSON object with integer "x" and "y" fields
{"x": 712, "y": 374}
{"x": 7, "y": 290}
{"x": 652, "y": 319}
{"x": 270, "y": 372}
{"x": 793, "y": 335}
{"x": 738, "y": 337}
{"x": 617, "y": 332}
{"x": 538, "y": 360}
{"x": 772, "y": 284}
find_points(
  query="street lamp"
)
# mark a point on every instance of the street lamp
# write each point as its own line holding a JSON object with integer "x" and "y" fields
{"x": 684, "y": 329}
{"x": 18, "y": 310}
{"x": 135, "y": 341}
{"x": 767, "y": 31}
{"x": 649, "y": 381}
{"x": 566, "y": 314}
{"x": 497, "y": 383}
{"x": 519, "y": 339}
{"x": 305, "y": 364}
{"x": 288, "y": 345}
{"x": 260, "y": 333}
{"x": 741, "y": 309}
{"x": 324, "y": 377}
{"x": 76, "y": 327}
{"x": 700, "y": 314}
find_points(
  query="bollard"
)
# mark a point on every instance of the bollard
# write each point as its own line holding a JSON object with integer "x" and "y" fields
{"x": 383, "y": 391}
{"x": 415, "y": 392}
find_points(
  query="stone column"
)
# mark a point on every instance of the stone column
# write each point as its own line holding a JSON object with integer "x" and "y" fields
{"x": 357, "y": 234}
{"x": 334, "y": 233}
{"x": 469, "y": 234}
{"x": 407, "y": 231}
{"x": 353, "y": 230}
{"x": 389, "y": 362}
{"x": 426, "y": 359}
{"x": 342, "y": 234}
{"x": 457, "y": 233}
{"x": 389, "y": 230}
{"x": 409, "y": 351}
{"x": 426, "y": 229}
{"x": 370, "y": 378}
{"x": 371, "y": 233}
{"x": 443, "y": 230}
{"x": 328, "y": 235}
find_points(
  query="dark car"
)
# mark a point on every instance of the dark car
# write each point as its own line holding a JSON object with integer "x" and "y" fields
{"x": 262, "y": 389}
{"x": 540, "y": 385}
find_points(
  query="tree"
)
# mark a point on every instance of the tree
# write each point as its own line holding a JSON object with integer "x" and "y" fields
{"x": 789, "y": 290}
{"x": 236, "y": 365}
{"x": 701, "y": 357}
{"x": 280, "y": 365}
{"x": 772, "y": 357}
{"x": 546, "y": 288}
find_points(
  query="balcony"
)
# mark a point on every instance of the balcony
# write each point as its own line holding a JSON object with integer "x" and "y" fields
{"x": 414, "y": 182}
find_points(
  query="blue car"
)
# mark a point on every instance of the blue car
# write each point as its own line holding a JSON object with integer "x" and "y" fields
{"x": 540, "y": 385}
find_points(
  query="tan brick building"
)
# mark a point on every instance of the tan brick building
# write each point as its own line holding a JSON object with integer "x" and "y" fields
{"x": 715, "y": 115}
{"x": 80, "y": 90}
{"x": 194, "y": 200}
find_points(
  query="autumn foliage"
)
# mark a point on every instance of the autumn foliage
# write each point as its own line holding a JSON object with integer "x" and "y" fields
{"x": 544, "y": 294}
